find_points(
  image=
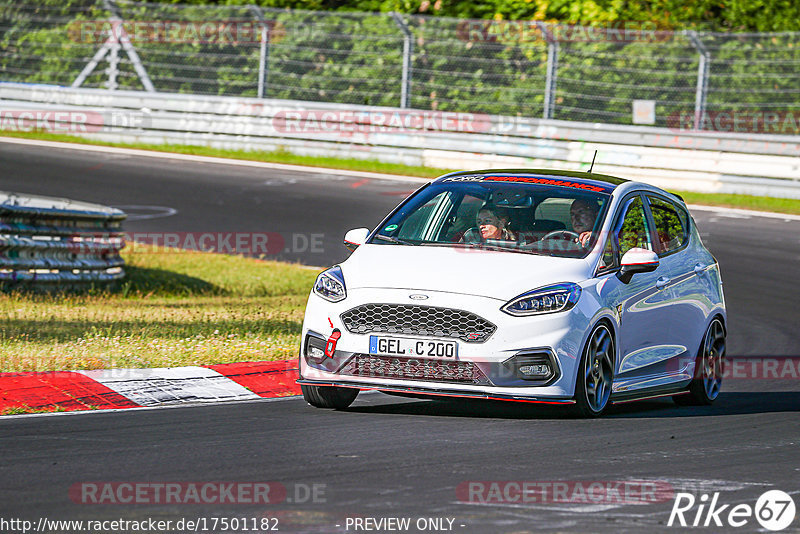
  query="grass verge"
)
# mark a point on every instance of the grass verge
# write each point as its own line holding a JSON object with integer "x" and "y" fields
{"x": 174, "y": 308}
{"x": 779, "y": 205}
{"x": 748, "y": 202}
{"x": 25, "y": 409}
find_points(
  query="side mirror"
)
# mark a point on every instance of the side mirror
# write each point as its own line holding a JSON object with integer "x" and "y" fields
{"x": 355, "y": 238}
{"x": 637, "y": 260}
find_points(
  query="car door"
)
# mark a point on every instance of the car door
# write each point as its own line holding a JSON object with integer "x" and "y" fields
{"x": 640, "y": 304}
{"x": 682, "y": 281}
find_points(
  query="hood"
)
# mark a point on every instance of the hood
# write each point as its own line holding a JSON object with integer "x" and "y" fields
{"x": 500, "y": 275}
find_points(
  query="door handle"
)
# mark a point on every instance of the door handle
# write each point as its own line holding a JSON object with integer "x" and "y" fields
{"x": 662, "y": 282}
{"x": 699, "y": 268}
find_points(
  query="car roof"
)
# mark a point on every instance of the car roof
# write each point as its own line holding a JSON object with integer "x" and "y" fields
{"x": 581, "y": 180}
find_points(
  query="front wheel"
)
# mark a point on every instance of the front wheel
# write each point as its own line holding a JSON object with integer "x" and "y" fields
{"x": 329, "y": 396}
{"x": 709, "y": 366}
{"x": 595, "y": 373}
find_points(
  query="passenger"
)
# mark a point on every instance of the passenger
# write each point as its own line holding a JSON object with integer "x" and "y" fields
{"x": 493, "y": 223}
{"x": 583, "y": 214}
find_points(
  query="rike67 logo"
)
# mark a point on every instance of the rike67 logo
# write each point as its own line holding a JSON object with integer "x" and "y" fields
{"x": 774, "y": 510}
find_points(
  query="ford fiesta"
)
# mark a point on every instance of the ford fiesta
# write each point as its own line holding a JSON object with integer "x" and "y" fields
{"x": 538, "y": 286}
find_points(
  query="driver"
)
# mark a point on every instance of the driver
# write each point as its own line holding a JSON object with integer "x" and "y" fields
{"x": 583, "y": 214}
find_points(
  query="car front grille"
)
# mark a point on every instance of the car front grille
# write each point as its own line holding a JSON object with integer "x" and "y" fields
{"x": 417, "y": 320}
{"x": 454, "y": 372}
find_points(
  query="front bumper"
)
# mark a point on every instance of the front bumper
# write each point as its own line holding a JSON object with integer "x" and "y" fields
{"x": 481, "y": 370}
{"x": 437, "y": 391}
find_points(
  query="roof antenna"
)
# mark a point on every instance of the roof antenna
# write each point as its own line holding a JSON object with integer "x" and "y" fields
{"x": 592, "y": 165}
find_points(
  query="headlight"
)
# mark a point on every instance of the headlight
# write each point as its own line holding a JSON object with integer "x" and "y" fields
{"x": 330, "y": 285}
{"x": 550, "y": 299}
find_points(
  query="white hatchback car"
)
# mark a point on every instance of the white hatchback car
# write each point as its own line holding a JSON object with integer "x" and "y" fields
{"x": 525, "y": 285}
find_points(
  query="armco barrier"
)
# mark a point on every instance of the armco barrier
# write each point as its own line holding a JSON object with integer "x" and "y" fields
{"x": 703, "y": 161}
{"x": 48, "y": 242}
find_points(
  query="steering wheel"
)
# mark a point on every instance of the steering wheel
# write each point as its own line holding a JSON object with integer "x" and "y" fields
{"x": 567, "y": 233}
{"x": 472, "y": 235}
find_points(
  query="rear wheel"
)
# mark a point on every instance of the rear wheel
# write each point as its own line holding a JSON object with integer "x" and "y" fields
{"x": 595, "y": 373}
{"x": 709, "y": 366}
{"x": 329, "y": 396}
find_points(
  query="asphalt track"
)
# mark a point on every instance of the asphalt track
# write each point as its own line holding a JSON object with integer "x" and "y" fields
{"x": 387, "y": 456}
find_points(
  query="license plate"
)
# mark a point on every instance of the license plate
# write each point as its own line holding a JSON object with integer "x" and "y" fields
{"x": 399, "y": 346}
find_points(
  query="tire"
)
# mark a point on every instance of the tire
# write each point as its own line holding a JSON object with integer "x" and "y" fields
{"x": 329, "y": 396}
{"x": 709, "y": 366}
{"x": 595, "y": 373}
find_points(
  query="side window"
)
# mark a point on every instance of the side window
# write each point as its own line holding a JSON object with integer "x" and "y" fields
{"x": 671, "y": 224}
{"x": 426, "y": 222}
{"x": 464, "y": 218}
{"x": 633, "y": 232}
{"x": 468, "y": 211}
{"x": 630, "y": 230}
{"x": 609, "y": 258}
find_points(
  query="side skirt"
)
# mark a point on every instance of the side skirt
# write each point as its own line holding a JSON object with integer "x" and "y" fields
{"x": 649, "y": 393}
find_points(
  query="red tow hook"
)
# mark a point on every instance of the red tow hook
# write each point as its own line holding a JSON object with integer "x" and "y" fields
{"x": 331, "y": 346}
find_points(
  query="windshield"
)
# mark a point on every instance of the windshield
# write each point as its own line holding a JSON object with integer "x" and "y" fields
{"x": 514, "y": 217}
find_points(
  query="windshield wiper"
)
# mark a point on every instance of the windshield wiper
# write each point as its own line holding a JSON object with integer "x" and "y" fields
{"x": 394, "y": 240}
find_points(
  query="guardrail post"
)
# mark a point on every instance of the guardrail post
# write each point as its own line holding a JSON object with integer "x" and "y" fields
{"x": 263, "y": 54}
{"x": 701, "y": 90}
{"x": 408, "y": 51}
{"x": 551, "y": 77}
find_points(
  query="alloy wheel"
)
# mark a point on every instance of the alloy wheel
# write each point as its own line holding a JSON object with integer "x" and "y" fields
{"x": 599, "y": 369}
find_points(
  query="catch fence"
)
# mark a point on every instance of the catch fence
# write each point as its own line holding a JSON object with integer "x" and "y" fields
{"x": 625, "y": 74}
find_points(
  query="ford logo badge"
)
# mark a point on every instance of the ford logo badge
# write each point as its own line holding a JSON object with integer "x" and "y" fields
{"x": 418, "y": 296}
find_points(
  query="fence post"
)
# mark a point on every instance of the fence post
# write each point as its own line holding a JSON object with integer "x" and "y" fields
{"x": 408, "y": 50}
{"x": 97, "y": 58}
{"x": 123, "y": 39}
{"x": 117, "y": 36}
{"x": 551, "y": 78}
{"x": 263, "y": 55}
{"x": 113, "y": 62}
{"x": 701, "y": 90}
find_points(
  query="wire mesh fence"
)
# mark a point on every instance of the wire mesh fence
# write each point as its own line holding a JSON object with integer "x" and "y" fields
{"x": 615, "y": 75}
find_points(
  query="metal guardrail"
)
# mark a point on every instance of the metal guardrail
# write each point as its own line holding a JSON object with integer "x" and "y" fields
{"x": 714, "y": 162}
{"x": 49, "y": 242}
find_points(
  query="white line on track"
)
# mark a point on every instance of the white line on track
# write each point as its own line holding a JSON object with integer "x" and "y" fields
{"x": 157, "y": 212}
{"x": 317, "y": 170}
